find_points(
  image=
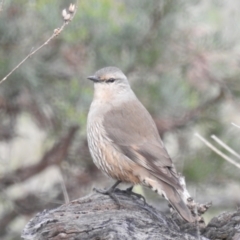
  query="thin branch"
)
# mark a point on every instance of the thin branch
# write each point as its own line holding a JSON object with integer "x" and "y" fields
{"x": 225, "y": 146}
{"x": 224, "y": 156}
{"x": 67, "y": 16}
{"x": 1, "y": 5}
{"x": 63, "y": 186}
{"x": 54, "y": 156}
{"x": 165, "y": 125}
{"x": 235, "y": 125}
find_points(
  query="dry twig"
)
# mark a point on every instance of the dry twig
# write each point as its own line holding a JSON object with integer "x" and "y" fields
{"x": 54, "y": 156}
{"x": 63, "y": 186}
{"x": 224, "y": 145}
{"x": 1, "y": 5}
{"x": 224, "y": 156}
{"x": 165, "y": 125}
{"x": 235, "y": 125}
{"x": 67, "y": 15}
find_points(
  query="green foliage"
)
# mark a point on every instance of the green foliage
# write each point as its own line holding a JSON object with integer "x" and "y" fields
{"x": 203, "y": 168}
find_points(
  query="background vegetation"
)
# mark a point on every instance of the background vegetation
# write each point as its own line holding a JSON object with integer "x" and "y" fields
{"x": 182, "y": 59}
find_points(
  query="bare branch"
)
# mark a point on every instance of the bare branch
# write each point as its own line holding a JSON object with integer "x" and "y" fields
{"x": 67, "y": 16}
{"x": 224, "y": 145}
{"x": 235, "y": 125}
{"x": 208, "y": 144}
{"x": 1, "y": 5}
{"x": 54, "y": 156}
{"x": 63, "y": 186}
{"x": 165, "y": 125}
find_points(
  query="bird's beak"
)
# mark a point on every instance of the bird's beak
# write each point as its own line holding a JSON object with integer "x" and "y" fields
{"x": 93, "y": 78}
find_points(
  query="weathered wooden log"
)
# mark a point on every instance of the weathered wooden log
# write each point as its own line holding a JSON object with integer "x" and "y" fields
{"x": 97, "y": 216}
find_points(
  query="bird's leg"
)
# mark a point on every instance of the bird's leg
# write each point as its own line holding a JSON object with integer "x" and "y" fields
{"x": 110, "y": 192}
{"x": 130, "y": 192}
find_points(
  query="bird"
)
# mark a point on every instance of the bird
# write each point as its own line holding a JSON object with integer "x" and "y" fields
{"x": 124, "y": 142}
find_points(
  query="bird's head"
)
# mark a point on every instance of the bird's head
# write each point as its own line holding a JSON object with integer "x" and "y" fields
{"x": 109, "y": 82}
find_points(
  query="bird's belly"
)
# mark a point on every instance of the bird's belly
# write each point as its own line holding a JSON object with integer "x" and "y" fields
{"x": 109, "y": 159}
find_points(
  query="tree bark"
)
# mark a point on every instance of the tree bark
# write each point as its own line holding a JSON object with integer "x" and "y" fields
{"x": 98, "y": 217}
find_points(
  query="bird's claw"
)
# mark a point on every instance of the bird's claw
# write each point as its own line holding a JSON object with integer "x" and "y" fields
{"x": 139, "y": 196}
{"x": 110, "y": 193}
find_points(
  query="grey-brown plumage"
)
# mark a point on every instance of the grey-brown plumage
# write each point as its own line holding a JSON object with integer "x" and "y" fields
{"x": 124, "y": 141}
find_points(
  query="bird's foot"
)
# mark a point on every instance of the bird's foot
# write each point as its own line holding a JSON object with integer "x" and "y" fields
{"x": 139, "y": 196}
{"x": 110, "y": 192}
{"x": 102, "y": 191}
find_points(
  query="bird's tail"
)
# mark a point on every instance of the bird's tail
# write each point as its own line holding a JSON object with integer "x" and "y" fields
{"x": 173, "y": 196}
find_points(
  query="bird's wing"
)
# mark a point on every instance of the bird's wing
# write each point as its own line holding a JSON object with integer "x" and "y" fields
{"x": 135, "y": 134}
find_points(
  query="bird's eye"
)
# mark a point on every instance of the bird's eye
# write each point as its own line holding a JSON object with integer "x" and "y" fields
{"x": 110, "y": 80}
